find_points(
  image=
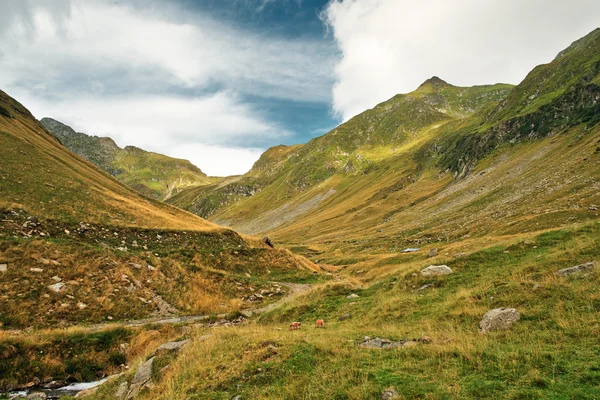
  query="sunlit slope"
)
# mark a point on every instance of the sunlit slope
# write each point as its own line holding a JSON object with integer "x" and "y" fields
{"x": 40, "y": 175}
{"x": 152, "y": 174}
{"x": 351, "y": 150}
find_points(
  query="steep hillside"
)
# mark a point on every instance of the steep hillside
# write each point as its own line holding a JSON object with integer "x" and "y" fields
{"x": 76, "y": 245}
{"x": 154, "y": 175}
{"x": 352, "y": 149}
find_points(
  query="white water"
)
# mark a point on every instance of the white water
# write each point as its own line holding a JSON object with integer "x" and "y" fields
{"x": 78, "y": 387}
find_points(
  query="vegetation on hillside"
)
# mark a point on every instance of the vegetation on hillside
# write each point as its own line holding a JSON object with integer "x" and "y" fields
{"x": 154, "y": 175}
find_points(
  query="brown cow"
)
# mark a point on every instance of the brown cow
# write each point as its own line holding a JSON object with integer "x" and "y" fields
{"x": 294, "y": 326}
{"x": 320, "y": 323}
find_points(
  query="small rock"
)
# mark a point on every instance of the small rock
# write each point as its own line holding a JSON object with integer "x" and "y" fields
{"x": 122, "y": 390}
{"x": 577, "y": 269}
{"x": 56, "y": 279}
{"x": 171, "y": 347}
{"x": 37, "y": 396}
{"x": 3, "y": 267}
{"x": 57, "y": 287}
{"x": 36, "y": 270}
{"x": 433, "y": 252}
{"x": 238, "y": 397}
{"x": 499, "y": 319}
{"x": 410, "y": 250}
{"x": 150, "y": 267}
{"x": 353, "y": 296}
{"x": 82, "y": 306}
{"x": 426, "y": 286}
{"x": 345, "y": 317}
{"x": 593, "y": 208}
{"x": 436, "y": 270}
{"x": 390, "y": 394}
{"x": 136, "y": 266}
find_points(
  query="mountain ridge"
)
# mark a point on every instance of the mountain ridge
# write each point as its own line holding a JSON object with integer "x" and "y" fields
{"x": 152, "y": 174}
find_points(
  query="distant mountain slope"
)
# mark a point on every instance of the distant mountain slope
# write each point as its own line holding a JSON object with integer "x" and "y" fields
{"x": 155, "y": 175}
{"x": 434, "y": 165}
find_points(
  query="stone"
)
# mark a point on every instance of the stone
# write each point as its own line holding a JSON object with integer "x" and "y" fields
{"x": 142, "y": 377}
{"x": 425, "y": 340}
{"x": 238, "y": 397}
{"x": 426, "y": 286}
{"x": 436, "y": 270}
{"x": 57, "y": 287}
{"x": 82, "y": 306}
{"x": 593, "y": 208}
{"x": 433, "y": 252}
{"x": 3, "y": 267}
{"x": 122, "y": 390}
{"x": 37, "y": 396}
{"x": 379, "y": 343}
{"x": 36, "y": 270}
{"x": 587, "y": 267}
{"x": 389, "y": 394}
{"x": 353, "y": 296}
{"x": 56, "y": 279}
{"x": 150, "y": 267}
{"x": 136, "y": 266}
{"x": 171, "y": 347}
{"x": 86, "y": 393}
{"x": 345, "y": 317}
{"x": 499, "y": 319}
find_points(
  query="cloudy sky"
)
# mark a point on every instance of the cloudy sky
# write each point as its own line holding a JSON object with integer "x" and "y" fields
{"x": 219, "y": 81}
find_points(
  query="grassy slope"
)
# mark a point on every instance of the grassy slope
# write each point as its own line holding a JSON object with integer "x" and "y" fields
{"x": 154, "y": 175}
{"x": 63, "y": 215}
{"x": 522, "y": 210}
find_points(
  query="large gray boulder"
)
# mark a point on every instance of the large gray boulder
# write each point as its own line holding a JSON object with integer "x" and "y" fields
{"x": 578, "y": 269}
{"x": 142, "y": 377}
{"x": 499, "y": 319}
{"x": 436, "y": 270}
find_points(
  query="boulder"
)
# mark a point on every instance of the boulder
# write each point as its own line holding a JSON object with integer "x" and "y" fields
{"x": 379, "y": 343}
{"x": 433, "y": 252}
{"x": 142, "y": 377}
{"x": 410, "y": 250}
{"x": 3, "y": 267}
{"x": 436, "y": 270}
{"x": 499, "y": 319}
{"x": 57, "y": 287}
{"x": 171, "y": 347}
{"x": 345, "y": 317}
{"x": 353, "y": 296}
{"x": 578, "y": 269}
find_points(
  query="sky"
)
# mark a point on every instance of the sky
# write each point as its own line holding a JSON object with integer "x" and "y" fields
{"x": 219, "y": 81}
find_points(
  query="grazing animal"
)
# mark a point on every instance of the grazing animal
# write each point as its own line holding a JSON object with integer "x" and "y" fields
{"x": 320, "y": 323}
{"x": 294, "y": 326}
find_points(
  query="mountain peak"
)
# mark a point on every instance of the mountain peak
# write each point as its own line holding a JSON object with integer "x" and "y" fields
{"x": 435, "y": 81}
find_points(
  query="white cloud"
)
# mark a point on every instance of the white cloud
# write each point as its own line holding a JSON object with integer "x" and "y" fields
{"x": 391, "y": 46}
{"x": 217, "y": 133}
{"x": 156, "y": 77}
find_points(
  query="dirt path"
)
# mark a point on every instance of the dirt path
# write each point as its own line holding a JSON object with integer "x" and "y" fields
{"x": 295, "y": 289}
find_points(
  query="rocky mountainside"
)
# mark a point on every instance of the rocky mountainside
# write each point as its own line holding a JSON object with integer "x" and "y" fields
{"x": 152, "y": 174}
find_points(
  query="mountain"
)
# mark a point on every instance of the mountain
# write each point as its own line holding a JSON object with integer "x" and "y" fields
{"x": 349, "y": 150}
{"x": 442, "y": 161}
{"x": 152, "y": 174}
{"x": 78, "y": 246}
